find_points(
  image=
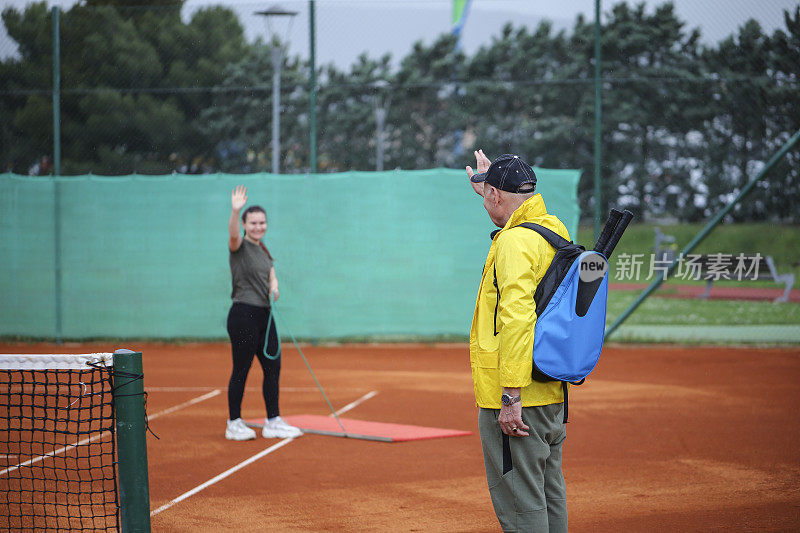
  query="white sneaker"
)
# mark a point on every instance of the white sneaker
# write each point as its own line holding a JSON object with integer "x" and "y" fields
{"x": 276, "y": 428}
{"x": 237, "y": 430}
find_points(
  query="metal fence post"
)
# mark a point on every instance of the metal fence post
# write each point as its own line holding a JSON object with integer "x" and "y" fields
{"x": 57, "y": 172}
{"x": 598, "y": 123}
{"x": 312, "y": 49}
{"x": 56, "y": 92}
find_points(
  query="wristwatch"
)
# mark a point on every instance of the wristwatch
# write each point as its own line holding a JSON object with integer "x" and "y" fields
{"x": 507, "y": 399}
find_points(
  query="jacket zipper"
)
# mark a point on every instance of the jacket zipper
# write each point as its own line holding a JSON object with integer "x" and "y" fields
{"x": 497, "y": 301}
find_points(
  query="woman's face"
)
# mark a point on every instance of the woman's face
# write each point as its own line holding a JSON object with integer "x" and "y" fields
{"x": 255, "y": 225}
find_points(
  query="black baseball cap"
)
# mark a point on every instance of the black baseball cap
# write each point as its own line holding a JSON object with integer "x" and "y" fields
{"x": 509, "y": 173}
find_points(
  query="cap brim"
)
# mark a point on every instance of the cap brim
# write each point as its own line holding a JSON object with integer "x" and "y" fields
{"x": 478, "y": 178}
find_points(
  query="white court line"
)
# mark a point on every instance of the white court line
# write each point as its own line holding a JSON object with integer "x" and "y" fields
{"x": 193, "y": 401}
{"x": 252, "y": 459}
{"x": 356, "y": 403}
{"x": 54, "y": 453}
{"x": 195, "y": 389}
{"x": 175, "y": 389}
{"x": 106, "y": 433}
{"x": 222, "y": 476}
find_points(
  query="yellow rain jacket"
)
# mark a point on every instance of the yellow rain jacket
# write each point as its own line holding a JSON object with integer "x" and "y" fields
{"x": 519, "y": 257}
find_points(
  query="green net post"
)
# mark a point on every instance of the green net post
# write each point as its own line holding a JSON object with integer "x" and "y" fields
{"x": 134, "y": 488}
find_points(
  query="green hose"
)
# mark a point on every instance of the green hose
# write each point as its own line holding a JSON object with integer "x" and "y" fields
{"x": 333, "y": 411}
{"x": 271, "y": 323}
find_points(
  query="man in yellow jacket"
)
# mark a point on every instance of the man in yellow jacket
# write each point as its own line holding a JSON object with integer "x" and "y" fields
{"x": 520, "y": 420}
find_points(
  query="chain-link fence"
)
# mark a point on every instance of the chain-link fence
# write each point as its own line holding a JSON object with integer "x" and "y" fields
{"x": 188, "y": 88}
{"x": 696, "y": 98}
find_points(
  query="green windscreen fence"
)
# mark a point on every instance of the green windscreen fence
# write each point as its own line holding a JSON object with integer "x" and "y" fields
{"x": 358, "y": 254}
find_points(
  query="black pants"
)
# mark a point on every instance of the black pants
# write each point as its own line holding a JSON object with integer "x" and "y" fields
{"x": 247, "y": 328}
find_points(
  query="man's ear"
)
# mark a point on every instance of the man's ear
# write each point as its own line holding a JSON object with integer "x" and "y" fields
{"x": 495, "y": 195}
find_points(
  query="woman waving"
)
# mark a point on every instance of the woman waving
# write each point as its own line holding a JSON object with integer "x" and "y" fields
{"x": 251, "y": 326}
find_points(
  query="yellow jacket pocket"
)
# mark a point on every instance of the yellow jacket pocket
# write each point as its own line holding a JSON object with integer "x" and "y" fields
{"x": 487, "y": 359}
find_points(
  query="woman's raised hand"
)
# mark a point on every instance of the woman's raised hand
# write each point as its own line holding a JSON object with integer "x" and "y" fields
{"x": 238, "y": 197}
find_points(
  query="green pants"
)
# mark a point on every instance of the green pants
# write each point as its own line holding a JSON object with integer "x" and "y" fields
{"x": 524, "y": 473}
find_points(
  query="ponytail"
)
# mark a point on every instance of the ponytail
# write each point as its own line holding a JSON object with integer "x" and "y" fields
{"x": 261, "y": 244}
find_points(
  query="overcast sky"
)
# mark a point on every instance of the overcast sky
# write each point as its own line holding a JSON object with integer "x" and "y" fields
{"x": 346, "y": 28}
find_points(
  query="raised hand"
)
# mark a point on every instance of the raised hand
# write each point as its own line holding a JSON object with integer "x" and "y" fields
{"x": 482, "y": 165}
{"x": 238, "y": 197}
{"x": 483, "y": 162}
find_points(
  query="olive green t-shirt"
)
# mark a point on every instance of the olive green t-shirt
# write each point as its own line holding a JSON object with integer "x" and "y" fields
{"x": 250, "y": 267}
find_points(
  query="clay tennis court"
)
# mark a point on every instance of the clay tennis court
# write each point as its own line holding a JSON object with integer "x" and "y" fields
{"x": 660, "y": 438}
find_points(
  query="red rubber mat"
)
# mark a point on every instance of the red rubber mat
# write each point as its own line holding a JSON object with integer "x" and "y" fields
{"x": 362, "y": 429}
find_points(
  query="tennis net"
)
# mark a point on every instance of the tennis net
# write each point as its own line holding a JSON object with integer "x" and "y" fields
{"x": 58, "y": 456}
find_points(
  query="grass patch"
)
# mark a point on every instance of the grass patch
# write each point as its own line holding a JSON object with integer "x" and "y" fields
{"x": 697, "y": 312}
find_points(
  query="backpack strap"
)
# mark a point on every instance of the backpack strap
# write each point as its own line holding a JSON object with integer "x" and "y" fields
{"x": 565, "y": 388}
{"x": 554, "y": 239}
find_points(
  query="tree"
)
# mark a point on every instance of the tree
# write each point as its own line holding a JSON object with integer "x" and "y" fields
{"x": 784, "y": 120}
{"x": 526, "y": 80}
{"x": 27, "y": 111}
{"x": 653, "y": 100}
{"x": 346, "y": 116}
{"x": 120, "y": 68}
{"x": 741, "y": 127}
{"x": 684, "y": 126}
{"x": 240, "y": 114}
{"x": 426, "y": 116}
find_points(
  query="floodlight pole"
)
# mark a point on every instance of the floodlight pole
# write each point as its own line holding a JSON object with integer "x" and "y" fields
{"x": 380, "y": 121}
{"x": 381, "y": 104}
{"x": 277, "y": 64}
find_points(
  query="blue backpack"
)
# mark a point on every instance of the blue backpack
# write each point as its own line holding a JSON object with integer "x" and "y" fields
{"x": 571, "y": 311}
{"x": 571, "y": 305}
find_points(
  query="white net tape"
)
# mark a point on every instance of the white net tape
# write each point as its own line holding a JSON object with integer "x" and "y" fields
{"x": 54, "y": 361}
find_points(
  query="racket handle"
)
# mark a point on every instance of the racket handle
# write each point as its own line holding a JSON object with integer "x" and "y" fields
{"x": 608, "y": 229}
{"x": 627, "y": 216}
